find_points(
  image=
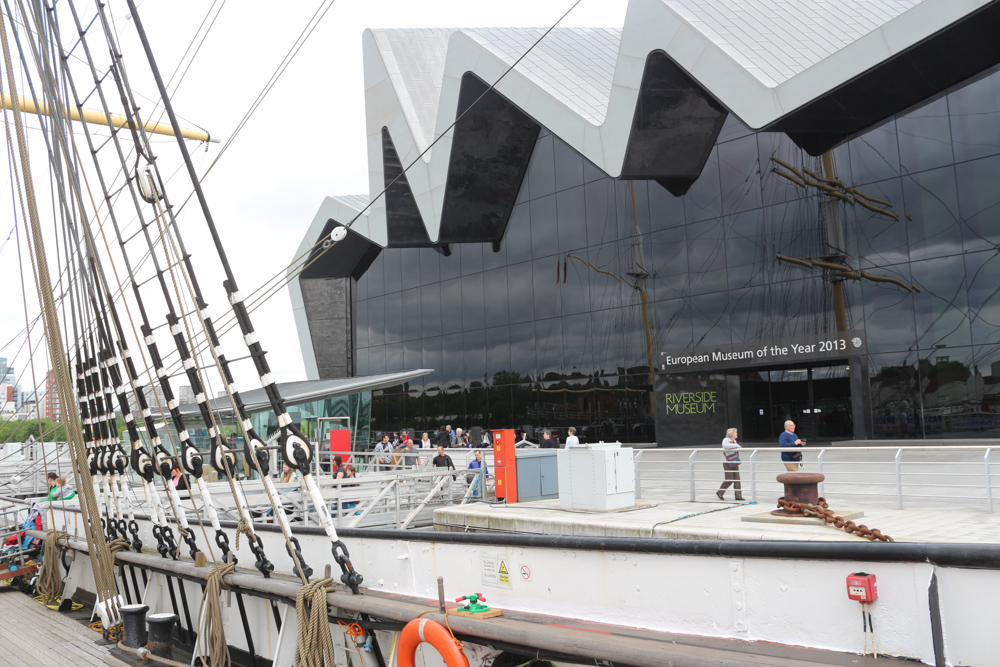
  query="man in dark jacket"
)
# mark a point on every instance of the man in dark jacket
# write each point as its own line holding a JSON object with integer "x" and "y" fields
{"x": 442, "y": 460}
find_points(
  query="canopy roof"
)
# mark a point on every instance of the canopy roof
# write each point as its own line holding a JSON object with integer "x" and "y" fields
{"x": 305, "y": 391}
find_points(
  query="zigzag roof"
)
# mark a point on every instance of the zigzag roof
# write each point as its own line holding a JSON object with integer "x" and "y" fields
{"x": 646, "y": 101}
{"x": 761, "y": 60}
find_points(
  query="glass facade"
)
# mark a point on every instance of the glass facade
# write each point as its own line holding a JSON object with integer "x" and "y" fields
{"x": 313, "y": 418}
{"x": 595, "y": 276}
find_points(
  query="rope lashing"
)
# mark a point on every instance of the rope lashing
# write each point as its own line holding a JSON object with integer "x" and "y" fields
{"x": 213, "y": 633}
{"x": 119, "y": 544}
{"x": 315, "y": 644}
{"x": 243, "y": 527}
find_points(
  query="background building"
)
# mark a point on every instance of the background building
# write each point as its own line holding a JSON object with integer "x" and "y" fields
{"x": 52, "y": 406}
{"x": 838, "y": 266}
{"x": 185, "y": 395}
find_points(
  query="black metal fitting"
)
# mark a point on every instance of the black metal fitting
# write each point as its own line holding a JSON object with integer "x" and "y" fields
{"x": 134, "y": 625}
{"x": 222, "y": 541}
{"x": 265, "y": 566}
{"x": 306, "y": 570}
{"x": 349, "y": 577}
{"x": 161, "y": 544}
{"x": 133, "y": 528}
{"x": 168, "y": 537}
{"x": 192, "y": 545}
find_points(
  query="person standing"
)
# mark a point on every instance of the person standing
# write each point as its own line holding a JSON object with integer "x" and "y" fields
{"x": 339, "y": 471}
{"x": 383, "y": 453}
{"x": 178, "y": 478}
{"x": 789, "y": 439}
{"x": 731, "y": 465}
{"x": 443, "y": 439}
{"x": 442, "y": 460}
{"x": 410, "y": 458}
{"x": 460, "y": 440}
{"x": 425, "y": 442}
{"x": 571, "y": 439}
{"x": 476, "y": 464}
{"x": 547, "y": 441}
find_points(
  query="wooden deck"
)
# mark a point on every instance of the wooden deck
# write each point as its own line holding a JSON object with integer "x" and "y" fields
{"x": 34, "y": 636}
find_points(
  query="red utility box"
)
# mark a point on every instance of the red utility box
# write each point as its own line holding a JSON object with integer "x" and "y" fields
{"x": 505, "y": 464}
{"x": 861, "y": 587}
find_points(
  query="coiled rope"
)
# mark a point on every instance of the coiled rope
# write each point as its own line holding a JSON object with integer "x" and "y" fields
{"x": 50, "y": 578}
{"x": 212, "y": 633}
{"x": 315, "y": 644}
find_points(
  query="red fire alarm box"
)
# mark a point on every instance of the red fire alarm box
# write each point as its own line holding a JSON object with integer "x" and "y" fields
{"x": 862, "y": 587}
{"x": 505, "y": 464}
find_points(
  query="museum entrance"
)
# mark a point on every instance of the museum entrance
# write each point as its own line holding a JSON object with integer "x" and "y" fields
{"x": 816, "y": 398}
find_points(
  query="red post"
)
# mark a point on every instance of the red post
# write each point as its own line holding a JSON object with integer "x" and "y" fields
{"x": 505, "y": 464}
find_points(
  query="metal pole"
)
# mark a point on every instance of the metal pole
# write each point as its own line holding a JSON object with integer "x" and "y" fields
{"x": 899, "y": 478}
{"x": 819, "y": 467}
{"x": 989, "y": 481}
{"x": 691, "y": 472}
{"x": 397, "y": 505}
{"x": 638, "y": 475}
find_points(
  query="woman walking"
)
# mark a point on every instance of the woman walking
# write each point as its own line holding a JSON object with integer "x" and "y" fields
{"x": 731, "y": 465}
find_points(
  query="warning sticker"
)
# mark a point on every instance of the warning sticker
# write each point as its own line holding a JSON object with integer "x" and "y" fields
{"x": 496, "y": 571}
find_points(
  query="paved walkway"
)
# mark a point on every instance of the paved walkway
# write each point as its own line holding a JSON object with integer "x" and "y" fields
{"x": 717, "y": 520}
{"x": 34, "y": 636}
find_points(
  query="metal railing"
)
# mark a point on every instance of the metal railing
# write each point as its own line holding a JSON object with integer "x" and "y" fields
{"x": 910, "y": 476}
{"x": 400, "y": 496}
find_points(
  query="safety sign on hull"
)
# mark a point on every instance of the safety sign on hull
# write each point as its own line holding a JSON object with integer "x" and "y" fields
{"x": 496, "y": 571}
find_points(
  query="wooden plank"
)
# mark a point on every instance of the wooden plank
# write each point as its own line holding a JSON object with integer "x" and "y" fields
{"x": 492, "y": 613}
{"x": 52, "y": 639}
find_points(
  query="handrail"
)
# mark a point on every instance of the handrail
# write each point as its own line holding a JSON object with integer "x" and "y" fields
{"x": 416, "y": 510}
{"x": 888, "y": 474}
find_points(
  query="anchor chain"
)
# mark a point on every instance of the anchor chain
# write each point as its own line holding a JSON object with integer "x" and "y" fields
{"x": 822, "y": 510}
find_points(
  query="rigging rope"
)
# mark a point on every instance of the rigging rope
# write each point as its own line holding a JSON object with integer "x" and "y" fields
{"x": 82, "y": 378}
{"x": 108, "y": 598}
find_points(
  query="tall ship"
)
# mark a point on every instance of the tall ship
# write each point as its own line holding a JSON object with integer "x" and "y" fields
{"x": 587, "y": 256}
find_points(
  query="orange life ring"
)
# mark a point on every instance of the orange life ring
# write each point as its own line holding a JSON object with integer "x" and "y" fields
{"x": 425, "y": 630}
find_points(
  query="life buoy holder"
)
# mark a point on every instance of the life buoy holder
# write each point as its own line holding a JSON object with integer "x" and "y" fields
{"x": 425, "y": 630}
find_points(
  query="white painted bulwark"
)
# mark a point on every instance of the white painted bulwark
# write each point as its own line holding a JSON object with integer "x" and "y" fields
{"x": 596, "y": 477}
{"x": 791, "y": 602}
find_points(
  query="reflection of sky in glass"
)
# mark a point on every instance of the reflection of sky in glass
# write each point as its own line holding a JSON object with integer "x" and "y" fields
{"x": 557, "y": 313}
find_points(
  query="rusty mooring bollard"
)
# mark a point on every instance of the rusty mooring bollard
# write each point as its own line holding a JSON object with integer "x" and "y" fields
{"x": 800, "y": 487}
{"x": 161, "y": 634}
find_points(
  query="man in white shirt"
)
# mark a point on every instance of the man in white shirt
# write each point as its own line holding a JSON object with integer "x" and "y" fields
{"x": 571, "y": 439}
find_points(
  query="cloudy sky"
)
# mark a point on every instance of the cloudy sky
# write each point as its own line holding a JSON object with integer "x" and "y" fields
{"x": 305, "y": 141}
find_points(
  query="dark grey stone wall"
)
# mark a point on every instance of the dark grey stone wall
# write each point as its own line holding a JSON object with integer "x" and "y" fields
{"x": 328, "y": 309}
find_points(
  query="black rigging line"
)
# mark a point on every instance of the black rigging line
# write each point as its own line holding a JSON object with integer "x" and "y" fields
{"x": 85, "y": 369}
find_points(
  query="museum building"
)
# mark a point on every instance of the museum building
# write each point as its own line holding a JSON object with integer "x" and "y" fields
{"x": 600, "y": 240}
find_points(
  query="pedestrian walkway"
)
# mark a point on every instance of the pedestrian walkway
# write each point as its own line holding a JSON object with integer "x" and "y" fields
{"x": 716, "y": 520}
